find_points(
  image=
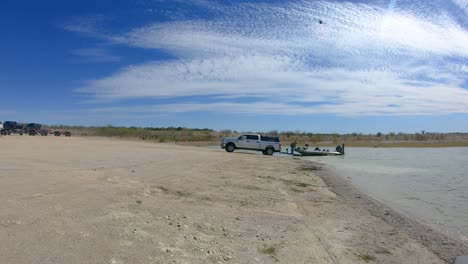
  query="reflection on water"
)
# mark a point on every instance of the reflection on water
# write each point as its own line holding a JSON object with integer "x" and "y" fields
{"x": 429, "y": 184}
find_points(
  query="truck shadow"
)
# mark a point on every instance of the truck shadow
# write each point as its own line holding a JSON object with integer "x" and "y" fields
{"x": 246, "y": 153}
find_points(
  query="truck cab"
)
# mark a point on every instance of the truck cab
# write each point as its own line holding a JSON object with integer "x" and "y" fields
{"x": 248, "y": 142}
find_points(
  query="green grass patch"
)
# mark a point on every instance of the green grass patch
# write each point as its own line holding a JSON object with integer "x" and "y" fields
{"x": 367, "y": 258}
{"x": 268, "y": 249}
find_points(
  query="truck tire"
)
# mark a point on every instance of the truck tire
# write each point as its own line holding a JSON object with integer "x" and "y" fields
{"x": 230, "y": 147}
{"x": 269, "y": 151}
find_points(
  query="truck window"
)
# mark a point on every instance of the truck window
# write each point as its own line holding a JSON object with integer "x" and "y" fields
{"x": 252, "y": 137}
{"x": 271, "y": 139}
{"x": 243, "y": 137}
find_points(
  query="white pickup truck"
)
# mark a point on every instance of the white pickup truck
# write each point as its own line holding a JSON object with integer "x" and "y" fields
{"x": 268, "y": 145}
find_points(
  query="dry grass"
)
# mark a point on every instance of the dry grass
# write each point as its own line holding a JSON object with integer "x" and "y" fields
{"x": 206, "y": 137}
{"x": 309, "y": 167}
{"x": 297, "y": 190}
{"x": 383, "y": 251}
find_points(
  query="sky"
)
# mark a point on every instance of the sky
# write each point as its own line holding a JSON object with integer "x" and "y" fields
{"x": 315, "y": 66}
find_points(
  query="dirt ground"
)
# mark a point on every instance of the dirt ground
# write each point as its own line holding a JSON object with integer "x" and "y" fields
{"x": 92, "y": 200}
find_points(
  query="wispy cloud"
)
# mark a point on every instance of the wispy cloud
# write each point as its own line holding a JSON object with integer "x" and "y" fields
{"x": 362, "y": 60}
{"x": 462, "y": 4}
{"x": 96, "y": 55}
{"x": 350, "y": 28}
{"x": 89, "y": 25}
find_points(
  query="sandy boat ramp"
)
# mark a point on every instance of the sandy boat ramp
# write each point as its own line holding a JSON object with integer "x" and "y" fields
{"x": 95, "y": 200}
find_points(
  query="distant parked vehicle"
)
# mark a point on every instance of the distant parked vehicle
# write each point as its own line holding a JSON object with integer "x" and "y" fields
{"x": 67, "y": 134}
{"x": 268, "y": 145}
{"x": 44, "y": 132}
{"x": 32, "y": 128}
{"x": 11, "y": 127}
{"x": 57, "y": 133}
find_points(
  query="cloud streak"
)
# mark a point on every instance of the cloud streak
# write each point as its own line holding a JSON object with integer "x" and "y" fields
{"x": 96, "y": 55}
{"x": 364, "y": 60}
{"x": 462, "y": 4}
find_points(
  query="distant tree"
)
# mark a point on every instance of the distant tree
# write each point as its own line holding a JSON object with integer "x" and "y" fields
{"x": 226, "y": 132}
{"x": 288, "y": 134}
{"x": 273, "y": 133}
{"x": 420, "y": 137}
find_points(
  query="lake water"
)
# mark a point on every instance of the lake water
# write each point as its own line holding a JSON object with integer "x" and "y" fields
{"x": 428, "y": 184}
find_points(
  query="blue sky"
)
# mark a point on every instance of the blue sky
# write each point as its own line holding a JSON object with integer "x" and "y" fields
{"x": 369, "y": 66}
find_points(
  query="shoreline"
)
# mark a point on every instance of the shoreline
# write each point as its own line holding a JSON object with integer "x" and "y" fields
{"x": 442, "y": 245}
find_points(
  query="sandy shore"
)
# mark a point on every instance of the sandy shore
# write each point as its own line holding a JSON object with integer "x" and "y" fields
{"x": 442, "y": 245}
{"x": 85, "y": 200}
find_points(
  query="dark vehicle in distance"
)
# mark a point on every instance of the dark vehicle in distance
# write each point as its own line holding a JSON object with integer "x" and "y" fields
{"x": 32, "y": 128}
{"x": 67, "y": 134}
{"x": 10, "y": 127}
{"x": 44, "y": 132}
{"x": 57, "y": 133}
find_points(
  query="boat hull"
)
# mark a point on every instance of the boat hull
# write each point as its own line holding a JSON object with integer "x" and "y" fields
{"x": 319, "y": 153}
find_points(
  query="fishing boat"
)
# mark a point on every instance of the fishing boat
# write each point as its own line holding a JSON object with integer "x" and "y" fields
{"x": 306, "y": 151}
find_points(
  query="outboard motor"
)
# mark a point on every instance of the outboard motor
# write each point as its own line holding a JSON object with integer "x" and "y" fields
{"x": 340, "y": 149}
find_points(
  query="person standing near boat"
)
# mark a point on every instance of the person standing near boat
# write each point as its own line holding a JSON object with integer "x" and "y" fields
{"x": 293, "y": 147}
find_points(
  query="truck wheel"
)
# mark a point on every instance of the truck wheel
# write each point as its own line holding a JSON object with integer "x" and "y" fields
{"x": 230, "y": 147}
{"x": 269, "y": 151}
